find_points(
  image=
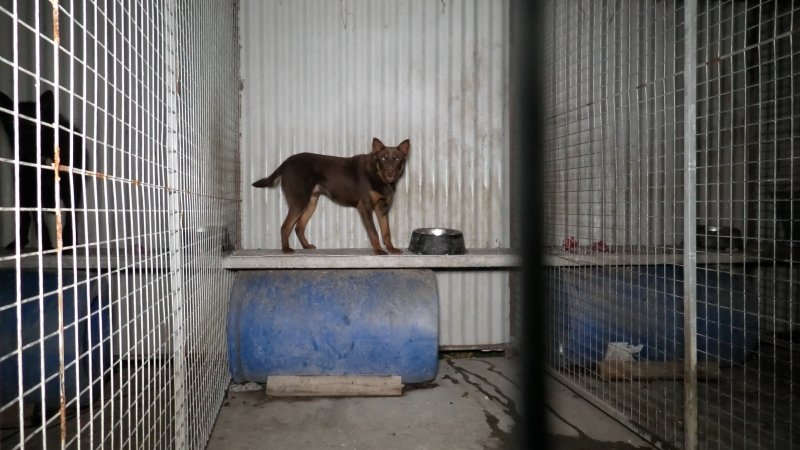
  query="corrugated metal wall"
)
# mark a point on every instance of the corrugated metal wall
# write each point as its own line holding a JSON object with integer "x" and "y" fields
{"x": 327, "y": 77}
{"x": 615, "y": 176}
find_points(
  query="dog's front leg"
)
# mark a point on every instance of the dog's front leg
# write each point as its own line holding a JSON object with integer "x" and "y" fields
{"x": 365, "y": 211}
{"x": 382, "y": 211}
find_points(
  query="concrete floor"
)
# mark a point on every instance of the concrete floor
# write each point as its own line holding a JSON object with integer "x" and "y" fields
{"x": 470, "y": 405}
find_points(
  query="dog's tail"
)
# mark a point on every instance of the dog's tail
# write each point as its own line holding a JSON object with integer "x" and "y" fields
{"x": 270, "y": 181}
{"x": 5, "y": 101}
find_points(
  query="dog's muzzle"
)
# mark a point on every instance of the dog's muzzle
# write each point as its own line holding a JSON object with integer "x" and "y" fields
{"x": 388, "y": 175}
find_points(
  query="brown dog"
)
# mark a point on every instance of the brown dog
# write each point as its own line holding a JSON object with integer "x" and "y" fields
{"x": 365, "y": 182}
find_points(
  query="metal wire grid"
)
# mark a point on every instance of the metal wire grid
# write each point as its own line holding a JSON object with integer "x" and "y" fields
{"x": 614, "y": 173}
{"x": 113, "y": 338}
{"x": 613, "y": 180}
{"x": 208, "y": 157}
{"x": 748, "y": 162}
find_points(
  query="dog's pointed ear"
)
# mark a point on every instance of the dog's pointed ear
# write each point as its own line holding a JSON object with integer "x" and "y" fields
{"x": 377, "y": 145}
{"x": 47, "y": 101}
{"x": 47, "y": 97}
{"x": 405, "y": 147}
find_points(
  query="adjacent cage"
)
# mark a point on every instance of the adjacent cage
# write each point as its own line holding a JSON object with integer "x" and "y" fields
{"x": 634, "y": 297}
{"x": 119, "y": 193}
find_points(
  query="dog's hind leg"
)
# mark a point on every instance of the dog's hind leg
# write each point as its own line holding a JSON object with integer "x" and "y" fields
{"x": 300, "y": 229}
{"x": 298, "y": 193}
{"x": 286, "y": 229}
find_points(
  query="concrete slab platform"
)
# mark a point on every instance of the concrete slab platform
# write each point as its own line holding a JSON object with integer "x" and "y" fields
{"x": 494, "y": 258}
{"x": 470, "y": 405}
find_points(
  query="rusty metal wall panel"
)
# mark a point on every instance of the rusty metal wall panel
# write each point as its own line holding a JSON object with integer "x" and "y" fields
{"x": 327, "y": 77}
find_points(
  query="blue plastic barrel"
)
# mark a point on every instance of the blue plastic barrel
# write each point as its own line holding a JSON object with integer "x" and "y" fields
{"x": 334, "y": 322}
{"x": 643, "y": 305}
{"x": 85, "y": 333}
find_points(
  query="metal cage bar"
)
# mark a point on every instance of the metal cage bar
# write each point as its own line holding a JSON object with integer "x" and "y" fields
{"x": 690, "y": 226}
{"x": 119, "y": 195}
{"x": 647, "y": 244}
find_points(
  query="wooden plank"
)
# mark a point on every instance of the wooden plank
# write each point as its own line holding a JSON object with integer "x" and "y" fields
{"x": 334, "y": 386}
{"x": 648, "y": 370}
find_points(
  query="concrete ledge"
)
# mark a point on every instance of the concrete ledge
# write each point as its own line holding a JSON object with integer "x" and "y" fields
{"x": 106, "y": 260}
{"x": 497, "y": 258}
{"x": 563, "y": 259}
{"x": 488, "y": 259}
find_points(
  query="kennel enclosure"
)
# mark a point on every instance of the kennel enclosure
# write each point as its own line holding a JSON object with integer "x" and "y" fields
{"x": 169, "y": 104}
{"x": 111, "y": 338}
{"x": 116, "y": 336}
{"x": 671, "y": 168}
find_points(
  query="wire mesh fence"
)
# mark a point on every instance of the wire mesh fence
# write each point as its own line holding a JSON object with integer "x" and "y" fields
{"x": 119, "y": 194}
{"x": 616, "y": 210}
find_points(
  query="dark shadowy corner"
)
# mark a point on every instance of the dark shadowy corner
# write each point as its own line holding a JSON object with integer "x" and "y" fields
{"x": 525, "y": 119}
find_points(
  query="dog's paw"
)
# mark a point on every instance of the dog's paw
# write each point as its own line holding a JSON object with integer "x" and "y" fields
{"x": 394, "y": 251}
{"x": 379, "y": 251}
{"x": 310, "y": 247}
{"x": 287, "y": 250}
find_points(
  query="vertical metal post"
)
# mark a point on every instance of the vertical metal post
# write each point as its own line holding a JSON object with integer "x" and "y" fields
{"x": 59, "y": 227}
{"x": 174, "y": 219}
{"x": 17, "y": 219}
{"x": 689, "y": 225}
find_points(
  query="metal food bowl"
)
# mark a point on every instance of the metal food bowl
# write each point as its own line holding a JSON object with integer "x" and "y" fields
{"x": 437, "y": 241}
{"x": 717, "y": 238}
